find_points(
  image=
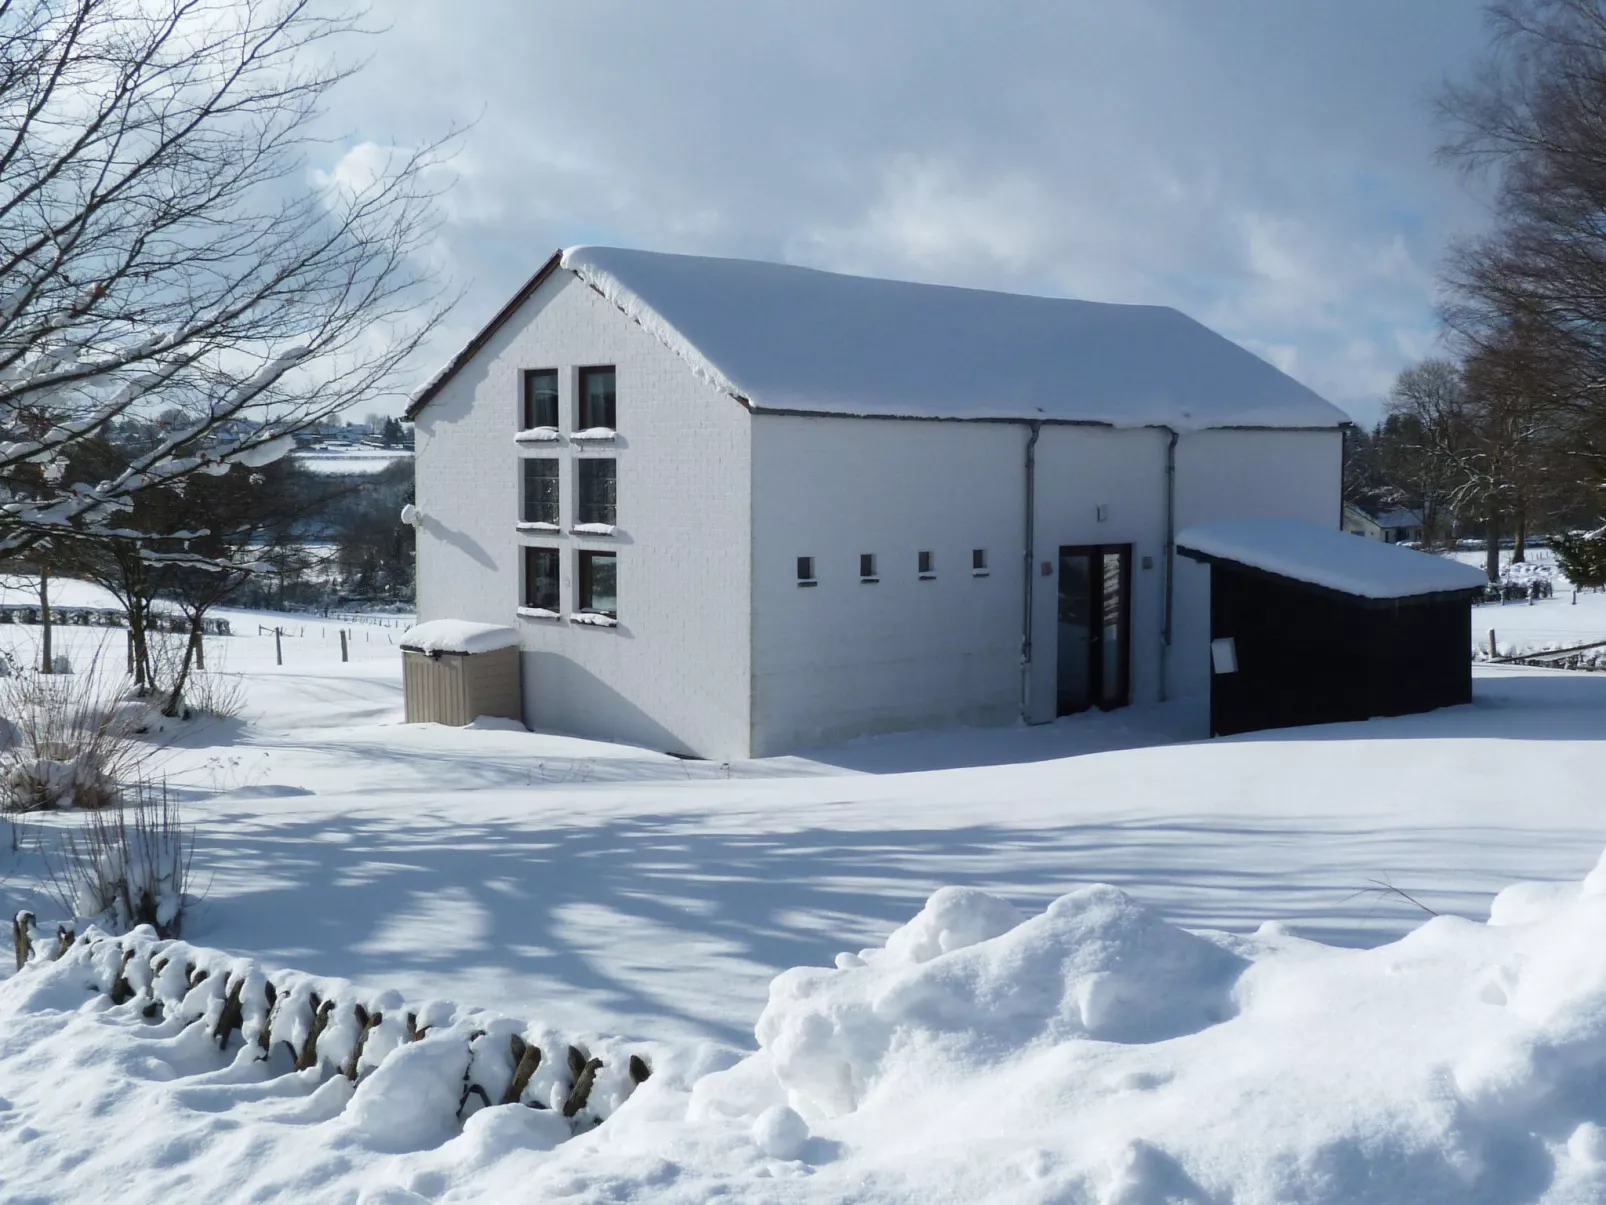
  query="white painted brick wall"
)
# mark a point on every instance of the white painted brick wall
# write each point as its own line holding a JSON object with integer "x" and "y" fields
{"x": 718, "y": 651}
{"x": 844, "y": 658}
{"x": 674, "y": 673}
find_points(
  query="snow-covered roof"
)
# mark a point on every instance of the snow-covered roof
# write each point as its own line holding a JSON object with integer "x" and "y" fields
{"x": 458, "y": 636}
{"x": 1325, "y": 556}
{"x": 789, "y": 338}
{"x": 784, "y": 338}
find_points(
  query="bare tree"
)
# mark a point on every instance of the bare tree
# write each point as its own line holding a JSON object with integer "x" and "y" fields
{"x": 1478, "y": 433}
{"x": 1532, "y": 120}
{"x": 1428, "y": 416}
{"x": 162, "y": 254}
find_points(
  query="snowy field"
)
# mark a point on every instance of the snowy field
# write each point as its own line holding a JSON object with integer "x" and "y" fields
{"x": 1565, "y": 620}
{"x": 610, "y": 890}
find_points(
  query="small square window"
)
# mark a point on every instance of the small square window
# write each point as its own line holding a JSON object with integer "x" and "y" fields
{"x": 978, "y": 560}
{"x": 598, "y": 485}
{"x": 541, "y": 578}
{"x": 924, "y": 561}
{"x": 596, "y": 399}
{"x": 599, "y": 584}
{"x": 540, "y": 398}
{"x": 867, "y": 571}
{"x": 541, "y": 491}
{"x": 805, "y": 570}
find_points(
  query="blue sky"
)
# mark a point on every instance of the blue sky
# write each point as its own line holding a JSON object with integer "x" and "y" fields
{"x": 1265, "y": 165}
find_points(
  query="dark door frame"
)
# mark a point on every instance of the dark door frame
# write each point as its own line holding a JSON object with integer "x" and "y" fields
{"x": 1097, "y": 695}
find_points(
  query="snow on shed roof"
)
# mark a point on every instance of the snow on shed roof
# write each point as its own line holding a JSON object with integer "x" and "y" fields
{"x": 1325, "y": 556}
{"x": 458, "y": 636}
{"x": 797, "y": 339}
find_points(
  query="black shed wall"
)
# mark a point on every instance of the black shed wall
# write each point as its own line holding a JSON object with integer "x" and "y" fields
{"x": 1308, "y": 655}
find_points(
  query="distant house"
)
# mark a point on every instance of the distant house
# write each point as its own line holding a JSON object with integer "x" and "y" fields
{"x": 1397, "y": 526}
{"x": 735, "y": 508}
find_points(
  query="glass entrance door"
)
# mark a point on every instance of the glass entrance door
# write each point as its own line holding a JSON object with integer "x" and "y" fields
{"x": 1094, "y": 615}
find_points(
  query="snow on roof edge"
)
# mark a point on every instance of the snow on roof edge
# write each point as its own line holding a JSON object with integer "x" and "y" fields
{"x": 629, "y": 303}
{"x": 1325, "y": 556}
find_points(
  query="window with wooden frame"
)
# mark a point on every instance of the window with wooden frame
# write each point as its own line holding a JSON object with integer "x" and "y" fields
{"x": 599, "y": 584}
{"x": 597, "y": 489}
{"x": 540, "y": 398}
{"x": 541, "y": 578}
{"x": 596, "y": 407}
{"x": 540, "y": 490}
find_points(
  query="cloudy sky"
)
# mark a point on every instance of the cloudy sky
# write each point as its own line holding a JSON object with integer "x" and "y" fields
{"x": 1265, "y": 165}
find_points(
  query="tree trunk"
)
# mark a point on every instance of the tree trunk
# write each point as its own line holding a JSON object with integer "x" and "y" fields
{"x": 1491, "y": 538}
{"x": 176, "y": 698}
{"x": 136, "y": 634}
{"x": 1521, "y": 535}
{"x": 47, "y": 661}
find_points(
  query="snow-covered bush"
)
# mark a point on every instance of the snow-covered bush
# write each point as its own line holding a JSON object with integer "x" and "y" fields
{"x": 1582, "y": 557}
{"x": 62, "y": 743}
{"x": 128, "y": 865}
{"x": 207, "y": 690}
{"x": 215, "y": 693}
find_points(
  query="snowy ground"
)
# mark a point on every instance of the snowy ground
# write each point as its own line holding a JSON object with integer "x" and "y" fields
{"x": 1568, "y": 619}
{"x": 609, "y": 889}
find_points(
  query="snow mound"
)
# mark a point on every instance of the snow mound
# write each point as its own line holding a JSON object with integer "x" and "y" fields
{"x": 458, "y": 636}
{"x": 970, "y": 983}
{"x": 1096, "y": 1053}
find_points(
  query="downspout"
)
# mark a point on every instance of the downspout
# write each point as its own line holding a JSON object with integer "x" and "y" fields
{"x": 1029, "y": 556}
{"x": 1170, "y": 560}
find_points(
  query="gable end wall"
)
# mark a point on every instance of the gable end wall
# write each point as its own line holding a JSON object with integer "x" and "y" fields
{"x": 674, "y": 674}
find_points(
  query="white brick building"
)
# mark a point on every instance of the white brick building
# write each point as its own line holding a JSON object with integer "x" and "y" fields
{"x": 753, "y": 508}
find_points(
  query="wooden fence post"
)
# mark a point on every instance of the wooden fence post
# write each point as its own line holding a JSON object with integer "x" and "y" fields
{"x": 1492, "y": 652}
{"x": 278, "y": 646}
{"x": 342, "y": 644}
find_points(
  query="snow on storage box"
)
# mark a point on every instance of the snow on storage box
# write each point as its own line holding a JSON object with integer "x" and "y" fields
{"x": 1311, "y": 625}
{"x": 454, "y": 671}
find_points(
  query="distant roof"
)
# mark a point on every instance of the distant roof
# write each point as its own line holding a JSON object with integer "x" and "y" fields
{"x": 1327, "y": 557}
{"x": 1399, "y": 517}
{"x": 797, "y": 340}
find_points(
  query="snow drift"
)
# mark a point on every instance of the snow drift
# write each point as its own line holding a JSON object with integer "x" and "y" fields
{"x": 1097, "y": 1053}
{"x": 1092, "y": 1053}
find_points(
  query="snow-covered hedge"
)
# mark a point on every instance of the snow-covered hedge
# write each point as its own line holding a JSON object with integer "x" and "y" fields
{"x": 412, "y": 1072}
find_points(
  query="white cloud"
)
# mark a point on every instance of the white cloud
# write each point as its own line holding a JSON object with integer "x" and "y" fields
{"x": 1265, "y": 167}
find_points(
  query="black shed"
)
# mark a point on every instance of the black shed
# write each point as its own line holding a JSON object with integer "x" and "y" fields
{"x": 1311, "y": 625}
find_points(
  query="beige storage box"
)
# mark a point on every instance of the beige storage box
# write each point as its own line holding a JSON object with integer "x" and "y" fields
{"x": 454, "y": 671}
